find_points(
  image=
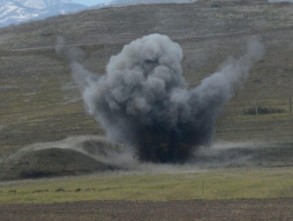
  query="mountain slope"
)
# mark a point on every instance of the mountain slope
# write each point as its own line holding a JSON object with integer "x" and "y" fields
{"x": 17, "y": 11}
{"x": 39, "y": 104}
{"x": 136, "y": 2}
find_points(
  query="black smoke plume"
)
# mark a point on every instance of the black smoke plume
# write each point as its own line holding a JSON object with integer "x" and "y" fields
{"x": 143, "y": 100}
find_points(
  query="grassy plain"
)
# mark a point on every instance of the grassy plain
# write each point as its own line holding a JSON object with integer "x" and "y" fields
{"x": 244, "y": 183}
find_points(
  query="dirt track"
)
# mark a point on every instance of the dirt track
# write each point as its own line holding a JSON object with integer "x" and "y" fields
{"x": 219, "y": 210}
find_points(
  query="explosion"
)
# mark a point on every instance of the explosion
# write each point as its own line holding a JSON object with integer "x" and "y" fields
{"x": 143, "y": 100}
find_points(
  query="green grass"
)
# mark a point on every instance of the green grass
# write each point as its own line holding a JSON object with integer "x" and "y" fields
{"x": 212, "y": 184}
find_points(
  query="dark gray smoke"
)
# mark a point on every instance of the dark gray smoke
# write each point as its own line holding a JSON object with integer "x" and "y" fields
{"x": 143, "y": 100}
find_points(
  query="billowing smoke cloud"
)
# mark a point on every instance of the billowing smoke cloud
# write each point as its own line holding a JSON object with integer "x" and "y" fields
{"x": 143, "y": 100}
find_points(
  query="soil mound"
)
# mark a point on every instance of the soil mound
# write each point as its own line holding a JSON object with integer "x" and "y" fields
{"x": 50, "y": 162}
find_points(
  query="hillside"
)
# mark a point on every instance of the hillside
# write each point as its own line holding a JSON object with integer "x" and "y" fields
{"x": 38, "y": 103}
{"x": 15, "y": 12}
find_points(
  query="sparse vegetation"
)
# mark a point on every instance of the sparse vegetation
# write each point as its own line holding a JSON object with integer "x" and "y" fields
{"x": 263, "y": 110}
{"x": 218, "y": 184}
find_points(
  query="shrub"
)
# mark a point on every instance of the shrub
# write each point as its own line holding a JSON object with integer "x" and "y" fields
{"x": 263, "y": 110}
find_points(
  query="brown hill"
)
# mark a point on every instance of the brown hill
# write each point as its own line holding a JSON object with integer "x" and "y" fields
{"x": 37, "y": 103}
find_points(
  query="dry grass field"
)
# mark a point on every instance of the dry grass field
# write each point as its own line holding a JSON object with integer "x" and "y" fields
{"x": 216, "y": 194}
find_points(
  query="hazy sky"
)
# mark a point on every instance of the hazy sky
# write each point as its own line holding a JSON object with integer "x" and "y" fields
{"x": 91, "y": 2}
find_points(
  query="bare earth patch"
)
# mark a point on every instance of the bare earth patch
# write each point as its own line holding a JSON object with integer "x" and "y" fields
{"x": 240, "y": 210}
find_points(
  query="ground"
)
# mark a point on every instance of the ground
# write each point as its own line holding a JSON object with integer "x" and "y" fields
{"x": 263, "y": 194}
{"x": 201, "y": 210}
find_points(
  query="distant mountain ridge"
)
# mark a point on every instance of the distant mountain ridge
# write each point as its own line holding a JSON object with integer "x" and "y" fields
{"x": 18, "y": 11}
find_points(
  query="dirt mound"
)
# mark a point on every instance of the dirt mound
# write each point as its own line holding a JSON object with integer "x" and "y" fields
{"x": 90, "y": 154}
{"x": 74, "y": 155}
{"x": 50, "y": 162}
